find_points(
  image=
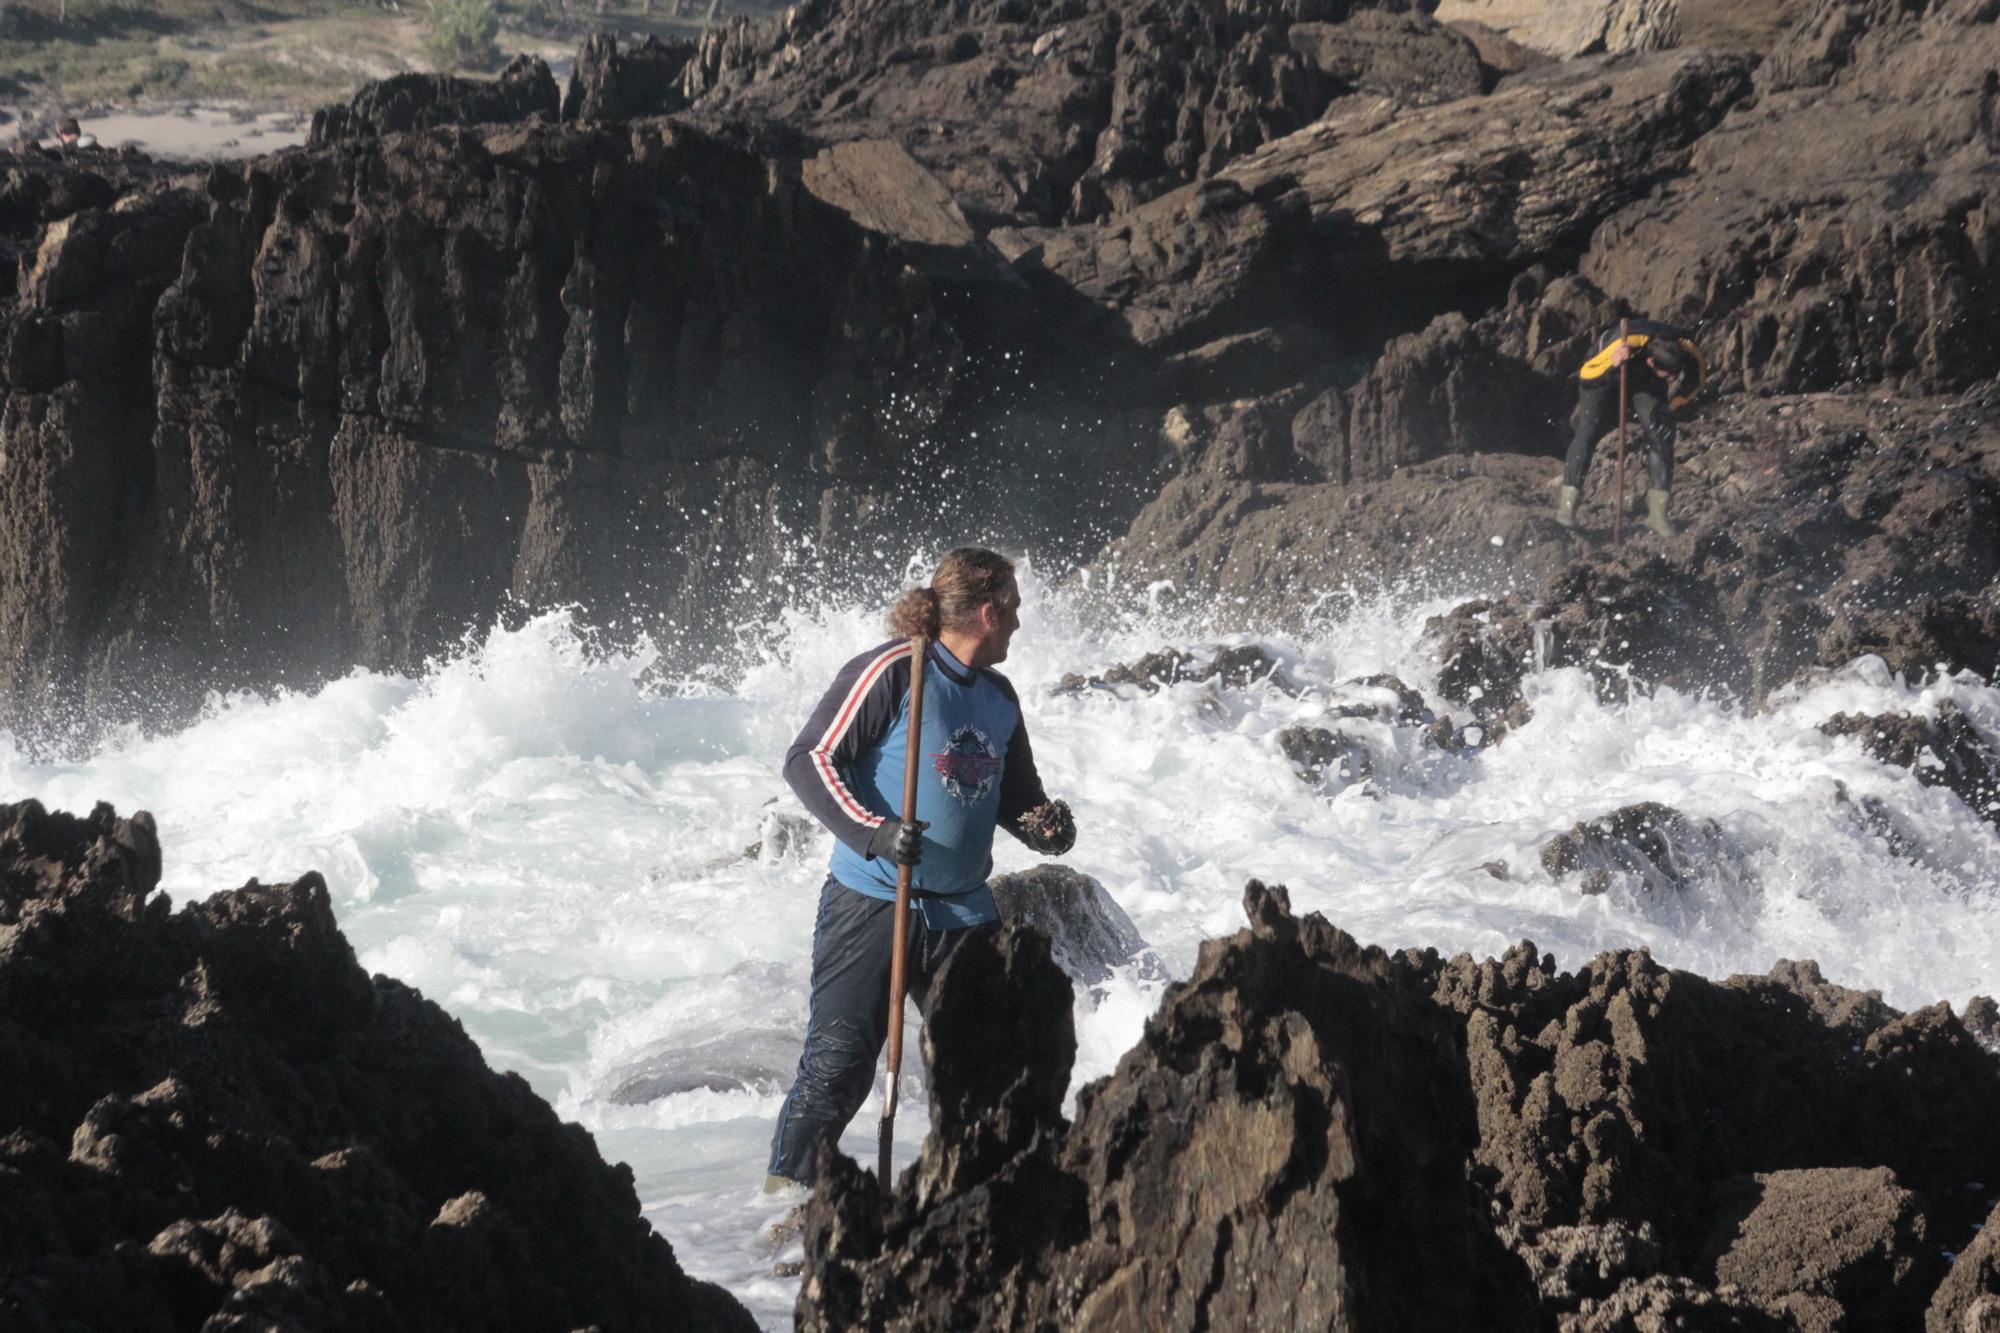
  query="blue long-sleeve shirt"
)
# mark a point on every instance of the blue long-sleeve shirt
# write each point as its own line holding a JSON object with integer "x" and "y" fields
{"x": 977, "y": 771}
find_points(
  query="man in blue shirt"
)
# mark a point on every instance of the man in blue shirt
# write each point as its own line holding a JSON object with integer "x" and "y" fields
{"x": 977, "y": 774}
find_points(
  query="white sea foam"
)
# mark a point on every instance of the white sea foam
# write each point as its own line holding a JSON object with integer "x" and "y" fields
{"x": 550, "y": 842}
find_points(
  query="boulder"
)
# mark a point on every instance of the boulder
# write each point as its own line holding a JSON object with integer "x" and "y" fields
{"x": 1088, "y": 932}
{"x": 1329, "y": 760}
{"x": 1836, "y": 1248}
{"x": 1657, "y": 844}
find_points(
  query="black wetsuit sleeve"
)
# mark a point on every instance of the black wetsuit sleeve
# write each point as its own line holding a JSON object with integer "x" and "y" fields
{"x": 853, "y": 716}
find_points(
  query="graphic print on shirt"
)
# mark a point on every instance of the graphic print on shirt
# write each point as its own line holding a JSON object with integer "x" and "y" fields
{"x": 968, "y": 764}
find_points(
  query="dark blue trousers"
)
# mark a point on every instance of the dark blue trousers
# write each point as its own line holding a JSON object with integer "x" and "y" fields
{"x": 849, "y": 1019}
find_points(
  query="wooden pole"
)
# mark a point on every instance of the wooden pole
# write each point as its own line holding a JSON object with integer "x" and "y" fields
{"x": 899, "y": 948}
{"x": 1618, "y": 494}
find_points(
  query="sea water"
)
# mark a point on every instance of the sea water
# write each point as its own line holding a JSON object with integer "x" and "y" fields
{"x": 598, "y": 869}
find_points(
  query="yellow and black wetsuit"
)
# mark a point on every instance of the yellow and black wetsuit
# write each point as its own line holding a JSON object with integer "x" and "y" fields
{"x": 1653, "y": 399}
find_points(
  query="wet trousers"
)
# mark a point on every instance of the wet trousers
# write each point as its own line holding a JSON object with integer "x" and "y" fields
{"x": 1597, "y": 412}
{"x": 849, "y": 1017}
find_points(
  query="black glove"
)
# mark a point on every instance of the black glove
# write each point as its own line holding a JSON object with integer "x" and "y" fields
{"x": 893, "y": 840}
{"x": 1049, "y": 828}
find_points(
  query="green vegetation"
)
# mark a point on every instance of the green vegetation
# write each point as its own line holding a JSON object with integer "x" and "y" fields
{"x": 462, "y": 34}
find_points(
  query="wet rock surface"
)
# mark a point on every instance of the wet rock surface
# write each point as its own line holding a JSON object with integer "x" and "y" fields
{"x": 214, "y": 1118}
{"x": 1329, "y": 760}
{"x": 1239, "y": 666}
{"x": 1309, "y": 1117}
{"x": 1943, "y": 751}
{"x": 1656, "y": 843}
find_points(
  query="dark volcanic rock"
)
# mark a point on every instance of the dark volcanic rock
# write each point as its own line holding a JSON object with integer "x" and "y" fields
{"x": 1834, "y": 1249}
{"x": 216, "y": 1115}
{"x": 1944, "y": 751}
{"x": 1326, "y": 759}
{"x": 643, "y": 80}
{"x": 1283, "y": 1146}
{"x": 1622, "y": 1148}
{"x": 1835, "y": 229}
{"x": 524, "y": 91}
{"x": 1088, "y": 932}
{"x": 1968, "y": 1301}
{"x": 1653, "y": 841}
{"x": 1239, "y": 666}
{"x": 336, "y": 407}
{"x": 1036, "y": 111}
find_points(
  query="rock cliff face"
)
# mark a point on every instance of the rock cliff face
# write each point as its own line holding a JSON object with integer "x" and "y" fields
{"x": 1313, "y": 1133}
{"x": 1270, "y": 290}
{"x": 213, "y": 1118}
{"x": 340, "y": 405}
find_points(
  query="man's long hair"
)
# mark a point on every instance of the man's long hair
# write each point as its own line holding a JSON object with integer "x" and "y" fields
{"x": 966, "y": 579}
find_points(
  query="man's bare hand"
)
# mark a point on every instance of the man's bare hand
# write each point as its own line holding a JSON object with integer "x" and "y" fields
{"x": 1621, "y": 354}
{"x": 1049, "y": 828}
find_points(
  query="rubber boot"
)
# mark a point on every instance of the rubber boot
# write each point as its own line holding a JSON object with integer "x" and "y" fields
{"x": 1656, "y": 514}
{"x": 1566, "y": 506}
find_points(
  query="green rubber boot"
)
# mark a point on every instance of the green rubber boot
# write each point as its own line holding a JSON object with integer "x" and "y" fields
{"x": 1656, "y": 514}
{"x": 1566, "y": 506}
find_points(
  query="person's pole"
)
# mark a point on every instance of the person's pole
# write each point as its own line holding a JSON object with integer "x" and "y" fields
{"x": 899, "y": 947}
{"x": 1618, "y": 495}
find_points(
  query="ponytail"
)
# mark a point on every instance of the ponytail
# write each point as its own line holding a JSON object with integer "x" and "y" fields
{"x": 967, "y": 578}
{"x": 916, "y": 615}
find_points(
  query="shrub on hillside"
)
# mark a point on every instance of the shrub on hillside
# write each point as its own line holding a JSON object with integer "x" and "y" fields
{"x": 462, "y": 34}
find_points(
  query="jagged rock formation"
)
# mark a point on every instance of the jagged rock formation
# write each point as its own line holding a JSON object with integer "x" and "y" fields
{"x": 214, "y": 1118}
{"x": 1944, "y": 751}
{"x": 1036, "y": 112}
{"x": 525, "y": 90}
{"x": 1315, "y": 1133}
{"x": 1816, "y": 529}
{"x": 338, "y": 406}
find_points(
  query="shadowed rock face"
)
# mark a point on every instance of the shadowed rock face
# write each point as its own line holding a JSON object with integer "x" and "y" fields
{"x": 1400, "y": 1141}
{"x": 337, "y": 407}
{"x": 1968, "y": 1301}
{"x": 216, "y": 1115}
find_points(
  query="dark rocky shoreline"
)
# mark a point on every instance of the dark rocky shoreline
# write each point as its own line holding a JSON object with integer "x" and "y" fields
{"x": 212, "y": 1118}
